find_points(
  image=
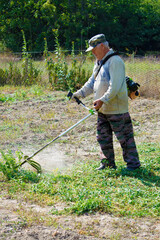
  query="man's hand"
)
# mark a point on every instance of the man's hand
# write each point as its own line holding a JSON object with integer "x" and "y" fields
{"x": 73, "y": 97}
{"x": 97, "y": 104}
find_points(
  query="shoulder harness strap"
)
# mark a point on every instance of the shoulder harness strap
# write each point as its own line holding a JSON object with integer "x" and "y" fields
{"x": 103, "y": 62}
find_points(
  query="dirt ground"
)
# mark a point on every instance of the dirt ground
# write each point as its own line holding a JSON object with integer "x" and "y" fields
{"x": 28, "y": 125}
{"x": 103, "y": 226}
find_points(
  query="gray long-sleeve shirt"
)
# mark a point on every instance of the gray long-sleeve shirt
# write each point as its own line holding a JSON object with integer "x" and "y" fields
{"x": 109, "y": 86}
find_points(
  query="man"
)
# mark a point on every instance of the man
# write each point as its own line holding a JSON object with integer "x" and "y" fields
{"x": 111, "y": 101}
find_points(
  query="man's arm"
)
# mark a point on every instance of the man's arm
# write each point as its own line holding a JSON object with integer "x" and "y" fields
{"x": 86, "y": 89}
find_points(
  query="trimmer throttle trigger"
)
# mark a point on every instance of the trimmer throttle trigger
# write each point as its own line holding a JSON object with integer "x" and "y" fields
{"x": 70, "y": 94}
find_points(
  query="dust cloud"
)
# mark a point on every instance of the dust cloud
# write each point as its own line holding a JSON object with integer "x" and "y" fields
{"x": 50, "y": 158}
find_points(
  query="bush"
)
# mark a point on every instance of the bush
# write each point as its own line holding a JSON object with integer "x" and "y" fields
{"x": 3, "y": 77}
{"x": 61, "y": 77}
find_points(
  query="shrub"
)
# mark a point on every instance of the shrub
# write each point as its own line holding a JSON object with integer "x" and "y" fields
{"x": 3, "y": 77}
{"x": 61, "y": 77}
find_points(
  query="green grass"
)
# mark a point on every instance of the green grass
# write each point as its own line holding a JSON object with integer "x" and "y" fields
{"x": 13, "y": 94}
{"x": 82, "y": 189}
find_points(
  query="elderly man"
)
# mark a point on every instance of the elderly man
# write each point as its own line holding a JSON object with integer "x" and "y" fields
{"x": 111, "y": 101}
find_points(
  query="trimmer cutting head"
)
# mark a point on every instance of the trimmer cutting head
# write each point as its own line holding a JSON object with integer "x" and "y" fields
{"x": 31, "y": 162}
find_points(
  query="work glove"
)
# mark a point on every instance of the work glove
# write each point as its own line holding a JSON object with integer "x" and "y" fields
{"x": 76, "y": 94}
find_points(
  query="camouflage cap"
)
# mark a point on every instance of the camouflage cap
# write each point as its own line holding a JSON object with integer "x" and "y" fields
{"x": 94, "y": 41}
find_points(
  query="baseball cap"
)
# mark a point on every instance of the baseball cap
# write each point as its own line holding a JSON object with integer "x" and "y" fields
{"x": 94, "y": 41}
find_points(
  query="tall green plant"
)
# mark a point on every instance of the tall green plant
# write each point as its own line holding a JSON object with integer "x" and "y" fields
{"x": 77, "y": 75}
{"x": 3, "y": 77}
{"x": 8, "y": 165}
{"x": 60, "y": 66}
{"x": 11, "y": 167}
{"x": 30, "y": 73}
{"x": 62, "y": 77}
{"x": 15, "y": 75}
{"x": 49, "y": 62}
{"x": 57, "y": 68}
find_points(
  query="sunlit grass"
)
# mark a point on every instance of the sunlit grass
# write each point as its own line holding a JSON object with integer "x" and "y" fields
{"x": 82, "y": 189}
{"x": 145, "y": 71}
{"x": 20, "y": 93}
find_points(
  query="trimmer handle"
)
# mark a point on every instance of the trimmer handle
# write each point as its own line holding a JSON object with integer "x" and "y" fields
{"x": 70, "y": 94}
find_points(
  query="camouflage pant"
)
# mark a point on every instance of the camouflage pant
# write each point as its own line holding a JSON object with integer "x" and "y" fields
{"x": 121, "y": 125}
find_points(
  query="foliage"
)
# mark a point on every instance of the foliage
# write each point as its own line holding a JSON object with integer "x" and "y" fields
{"x": 3, "y": 76}
{"x": 75, "y": 71}
{"x": 60, "y": 76}
{"x": 57, "y": 69}
{"x": 127, "y": 24}
{"x": 77, "y": 75}
{"x": 30, "y": 73}
{"x": 10, "y": 167}
{"x": 25, "y": 74}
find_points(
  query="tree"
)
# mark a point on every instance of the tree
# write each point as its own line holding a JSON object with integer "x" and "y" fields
{"x": 127, "y": 24}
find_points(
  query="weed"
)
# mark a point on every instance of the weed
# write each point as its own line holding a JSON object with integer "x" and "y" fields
{"x": 23, "y": 93}
{"x": 62, "y": 76}
{"x": 3, "y": 77}
{"x": 10, "y": 167}
{"x": 30, "y": 74}
{"x": 56, "y": 69}
{"x": 72, "y": 71}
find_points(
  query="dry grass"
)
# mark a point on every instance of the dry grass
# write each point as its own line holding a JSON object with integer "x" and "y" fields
{"x": 144, "y": 70}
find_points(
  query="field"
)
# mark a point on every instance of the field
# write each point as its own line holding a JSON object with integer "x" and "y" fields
{"x": 71, "y": 200}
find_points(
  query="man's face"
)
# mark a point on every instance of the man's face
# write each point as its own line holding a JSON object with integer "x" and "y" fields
{"x": 99, "y": 51}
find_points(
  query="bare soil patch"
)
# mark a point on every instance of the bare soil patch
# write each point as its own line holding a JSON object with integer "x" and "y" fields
{"x": 91, "y": 227}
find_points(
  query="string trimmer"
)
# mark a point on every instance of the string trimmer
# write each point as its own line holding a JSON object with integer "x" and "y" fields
{"x": 36, "y": 165}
